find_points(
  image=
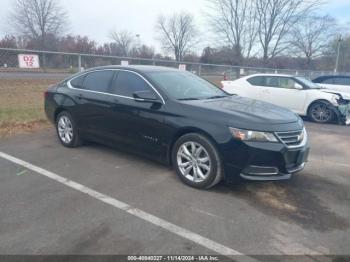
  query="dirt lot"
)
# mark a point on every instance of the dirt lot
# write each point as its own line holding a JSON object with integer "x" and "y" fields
{"x": 308, "y": 215}
{"x": 21, "y": 105}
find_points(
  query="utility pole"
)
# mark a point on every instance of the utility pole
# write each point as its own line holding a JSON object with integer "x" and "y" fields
{"x": 338, "y": 54}
{"x": 138, "y": 45}
{"x": 138, "y": 41}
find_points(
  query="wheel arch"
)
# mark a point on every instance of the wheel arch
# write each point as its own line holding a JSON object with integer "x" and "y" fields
{"x": 58, "y": 110}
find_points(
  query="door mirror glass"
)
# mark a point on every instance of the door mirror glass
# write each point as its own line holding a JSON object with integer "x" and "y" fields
{"x": 298, "y": 86}
{"x": 145, "y": 96}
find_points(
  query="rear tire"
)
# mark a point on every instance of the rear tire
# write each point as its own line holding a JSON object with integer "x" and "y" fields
{"x": 67, "y": 131}
{"x": 321, "y": 112}
{"x": 196, "y": 161}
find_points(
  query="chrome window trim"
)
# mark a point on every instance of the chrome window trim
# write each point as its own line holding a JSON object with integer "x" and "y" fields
{"x": 103, "y": 93}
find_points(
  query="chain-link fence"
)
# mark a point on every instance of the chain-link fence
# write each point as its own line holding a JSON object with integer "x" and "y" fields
{"x": 68, "y": 63}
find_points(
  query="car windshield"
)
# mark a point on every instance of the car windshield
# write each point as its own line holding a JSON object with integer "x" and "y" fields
{"x": 308, "y": 83}
{"x": 186, "y": 86}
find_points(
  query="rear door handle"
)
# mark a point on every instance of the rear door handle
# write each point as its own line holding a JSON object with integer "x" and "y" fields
{"x": 80, "y": 96}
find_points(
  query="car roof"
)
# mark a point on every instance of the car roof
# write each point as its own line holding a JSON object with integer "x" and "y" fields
{"x": 141, "y": 69}
{"x": 333, "y": 76}
{"x": 278, "y": 75}
{"x": 326, "y": 77}
{"x": 136, "y": 68}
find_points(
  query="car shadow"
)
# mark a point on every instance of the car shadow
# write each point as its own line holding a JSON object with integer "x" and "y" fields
{"x": 304, "y": 200}
{"x": 332, "y": 123}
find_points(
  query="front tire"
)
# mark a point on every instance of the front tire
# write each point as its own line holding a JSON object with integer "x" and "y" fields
{"x": 196, "y": 161}
{"x": 67, "y": 130}
{"x": 321, "y": 112}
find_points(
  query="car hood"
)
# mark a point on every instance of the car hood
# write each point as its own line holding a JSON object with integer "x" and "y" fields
{"x": 248, "y": 113}
{"x": 344, "y": 95}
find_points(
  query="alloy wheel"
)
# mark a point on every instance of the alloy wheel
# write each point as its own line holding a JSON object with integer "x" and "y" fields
{"x": 65, "y": 129}
{"x": 194, "y": 162}
{"x": 321, "y": 113}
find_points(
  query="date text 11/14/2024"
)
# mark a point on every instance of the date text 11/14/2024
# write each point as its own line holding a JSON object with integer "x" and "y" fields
{"x": 203, "y": 258}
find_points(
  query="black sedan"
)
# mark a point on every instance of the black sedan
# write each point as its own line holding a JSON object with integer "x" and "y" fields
{"x": 179, "y": 119}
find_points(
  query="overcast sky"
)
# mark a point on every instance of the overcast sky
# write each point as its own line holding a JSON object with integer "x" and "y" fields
{"x": 95, "y": 18}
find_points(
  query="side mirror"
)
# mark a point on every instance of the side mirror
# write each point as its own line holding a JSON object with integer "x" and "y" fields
{"x": 298, "y": 86}
{"x": 145, "y": 97}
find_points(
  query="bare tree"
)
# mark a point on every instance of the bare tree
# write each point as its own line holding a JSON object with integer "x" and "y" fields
{"x": 177, "y": 33}
{"x": 37, "y": 19}
{"x": 275, "y": 20}
{"x": 311, "y": 36}
{"x": 9, "y": 41}
{"x": 124, "y": 40}
{"x": 235, "y": 21}
{"x": 143, "y": 51}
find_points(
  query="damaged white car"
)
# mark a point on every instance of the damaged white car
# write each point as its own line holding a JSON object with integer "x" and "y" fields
{"x": 295, "y": 93}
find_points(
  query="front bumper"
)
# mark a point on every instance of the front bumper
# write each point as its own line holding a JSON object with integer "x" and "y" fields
{"x": 264, "y": 161}
{"x": 344, "y": 114}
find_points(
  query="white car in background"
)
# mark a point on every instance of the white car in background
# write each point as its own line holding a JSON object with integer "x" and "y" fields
{"x": 295, "y": 93}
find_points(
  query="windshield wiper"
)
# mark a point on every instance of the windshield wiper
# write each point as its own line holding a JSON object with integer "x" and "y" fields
{"x": 215, "y": 97}
{"x": 188, "y": 98}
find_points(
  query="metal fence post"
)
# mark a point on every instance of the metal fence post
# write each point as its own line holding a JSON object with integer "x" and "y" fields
{"x": 200, "y": 70}
{"x": 44, "y": 62}
{"x": 79, "y": 63}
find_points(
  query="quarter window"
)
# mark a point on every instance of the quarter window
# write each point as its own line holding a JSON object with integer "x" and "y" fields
{"x": 257, "y": 81}
{"x": 99, "y": 81}
{"x": 78, "y": 82}
{"x": 127, "y": 83}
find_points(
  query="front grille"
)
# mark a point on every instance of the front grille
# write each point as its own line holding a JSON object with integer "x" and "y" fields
{"x": 292, "y": 138}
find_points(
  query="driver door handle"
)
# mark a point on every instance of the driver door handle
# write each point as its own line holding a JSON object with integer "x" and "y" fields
{"x": 80, "y": 96}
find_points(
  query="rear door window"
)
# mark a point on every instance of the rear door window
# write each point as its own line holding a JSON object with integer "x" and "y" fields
{"x": 99, "y": 81}
{"x": 272, "y": 81}
{"x": 127, "y": 83}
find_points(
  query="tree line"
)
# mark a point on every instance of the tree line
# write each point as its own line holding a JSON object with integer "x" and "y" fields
{"x": 269, "y": 33}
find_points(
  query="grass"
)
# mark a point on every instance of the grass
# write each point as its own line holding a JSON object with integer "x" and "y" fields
{"x": 22, "y": 106}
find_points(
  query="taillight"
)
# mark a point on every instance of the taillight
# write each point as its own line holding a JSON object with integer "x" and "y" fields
{"x": 46, "y": 94}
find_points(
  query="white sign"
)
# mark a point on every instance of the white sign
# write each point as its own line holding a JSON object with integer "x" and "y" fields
{"x": 28, "y": 61}
{"x": 182, "y": 67}
{"x": 124, "y": 63}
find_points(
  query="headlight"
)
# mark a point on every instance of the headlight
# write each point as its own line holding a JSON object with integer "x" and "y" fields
{"x": 249, "y": 135}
